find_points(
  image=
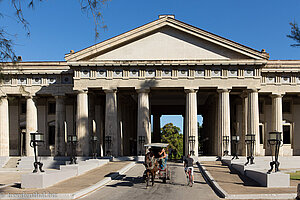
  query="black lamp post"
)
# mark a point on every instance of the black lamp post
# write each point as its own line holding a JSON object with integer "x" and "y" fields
{"x": 235, "y": 140}
{"x": 108, "y": 142}
{"x": 35, "y": 139}
{"x": 72, "y": 139}
{"x": 250, "y": 141}
{"x": 225, "y": 143}
{"x": 142, "y": 141}
{"x": 192, "y": 145}
{"x": 94, "y": 140}
{"x": 274, "y": 141}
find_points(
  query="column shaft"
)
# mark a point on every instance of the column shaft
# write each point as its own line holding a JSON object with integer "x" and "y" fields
{"x": 60, "y": 118}
{"x": 4, "y": 127}
{"x": 156, "y": 128}
{"x": 111, "y": 122}
{"x": 191, "y": 127}
{"x": 253, "y": 118}
{"x": 31, "y": 123}
{"x": 242, "y": 144}
{"x": 143, "y": 123}
{"x": 277, "y": 113}
{"x": 82, "y": 125}
{"x": 223, "y": 121}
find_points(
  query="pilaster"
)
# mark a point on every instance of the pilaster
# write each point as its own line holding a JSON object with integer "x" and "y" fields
{"x": 111, "y": 122}
{"x": 4, "y": 126}
{"x": 60, "y": 118}
{"x": 156, "y": 128}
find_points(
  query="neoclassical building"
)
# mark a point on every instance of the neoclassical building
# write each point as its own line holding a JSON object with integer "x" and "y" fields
{"x": 166, "y": 67}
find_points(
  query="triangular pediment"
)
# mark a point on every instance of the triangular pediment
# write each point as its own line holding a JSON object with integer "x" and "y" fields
{"x": 166, "y": 39}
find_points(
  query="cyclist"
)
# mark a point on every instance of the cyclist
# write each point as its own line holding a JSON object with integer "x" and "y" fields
{"x": 188, "y": 164}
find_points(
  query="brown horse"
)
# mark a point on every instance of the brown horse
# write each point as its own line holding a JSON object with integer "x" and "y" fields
{"x": 151, "y": 165}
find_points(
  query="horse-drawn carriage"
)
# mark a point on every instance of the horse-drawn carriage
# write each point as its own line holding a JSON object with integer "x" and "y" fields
{"x": 155, "y": 163}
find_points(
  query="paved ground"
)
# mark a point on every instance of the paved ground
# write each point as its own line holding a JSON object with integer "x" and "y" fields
{"x": 70, "y": 185}
{"x": 233, "y": 183}
{"x": 132, "y": 186}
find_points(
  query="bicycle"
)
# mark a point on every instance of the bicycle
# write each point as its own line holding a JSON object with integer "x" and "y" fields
{"x": 189, "y": 177}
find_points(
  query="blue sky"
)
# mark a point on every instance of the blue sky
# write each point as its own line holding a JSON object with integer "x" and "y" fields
{"x": 57, "y": 26}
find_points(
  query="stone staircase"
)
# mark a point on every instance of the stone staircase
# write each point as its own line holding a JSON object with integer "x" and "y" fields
{"x": 12, "y": 162}
{"x": 26, "y": 163}
{"x": 3, "y": 160}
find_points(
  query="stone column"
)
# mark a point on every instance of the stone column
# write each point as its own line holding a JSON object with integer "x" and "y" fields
{"x": 82, "y": 126}
{"x": 277, "y": 112}
{"x": 143, "y": 123}
{"x": 60, "y": 118}
{"x": 31, "y": 123}
{"x": 191, "y": 127}
{"x": 242, "y": 145}
{"x": 253, "y": 118}
{"x": 111, "y": 122}
{"x": 223, "y": 120}
{"x": 4, "y": 127}
{"x": 156, "y": 128}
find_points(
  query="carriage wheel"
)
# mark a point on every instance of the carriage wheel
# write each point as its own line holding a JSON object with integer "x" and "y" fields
{"x": 169, "y": 175}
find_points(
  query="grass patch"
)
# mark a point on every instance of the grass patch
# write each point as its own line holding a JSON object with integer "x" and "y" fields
{"x": 295, "y": 176}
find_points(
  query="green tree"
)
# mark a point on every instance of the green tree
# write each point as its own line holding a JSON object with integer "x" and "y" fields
{"x": 7, "y": 53}
{"x": 171, "y": 134}
{"x": 295, "y": 34}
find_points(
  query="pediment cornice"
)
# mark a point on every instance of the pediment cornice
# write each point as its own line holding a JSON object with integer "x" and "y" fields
{"x": 92, "y": 51}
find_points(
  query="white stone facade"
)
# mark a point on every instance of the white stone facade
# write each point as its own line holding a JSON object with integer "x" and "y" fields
{"x": 111, "y": 89}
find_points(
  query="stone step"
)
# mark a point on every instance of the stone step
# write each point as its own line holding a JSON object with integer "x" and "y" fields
{"x": 3, "y": 160}
{"x": 12, "y": 162}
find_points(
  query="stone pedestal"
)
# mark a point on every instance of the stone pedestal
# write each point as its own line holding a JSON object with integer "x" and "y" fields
{"x": 82, "y": 124}
{"x": 191, "y": 127}
{"x": 31, "y": 123}
{"x": 4, "y": 127}
{"x": 143, "y": 123}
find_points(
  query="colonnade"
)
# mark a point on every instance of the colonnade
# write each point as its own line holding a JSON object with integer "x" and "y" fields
{"x": 250, "y": 122}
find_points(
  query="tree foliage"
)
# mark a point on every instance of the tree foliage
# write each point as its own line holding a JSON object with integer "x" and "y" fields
{"x": 171, "y": 134}
{"x": 89, "y": 7}
{"x": 295, "y": 34}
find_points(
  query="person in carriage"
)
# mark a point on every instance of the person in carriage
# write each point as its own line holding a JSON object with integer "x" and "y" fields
{"x": 162, "y": 158}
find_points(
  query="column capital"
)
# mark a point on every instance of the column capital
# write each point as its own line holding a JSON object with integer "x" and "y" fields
{"x": 244, "y": 94}
{"x": 111, "y": 90}
{"x": 220, "y": 90}
{"x": 59, "y": 96}
{"x": 190, "y": 90}
{"x": 31, "y": 96}
{"x": 277, "y": 95}
{"x": 143, "y": 90}
{"x": 82, "y": 91}
{"x": 253, "y": 89}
